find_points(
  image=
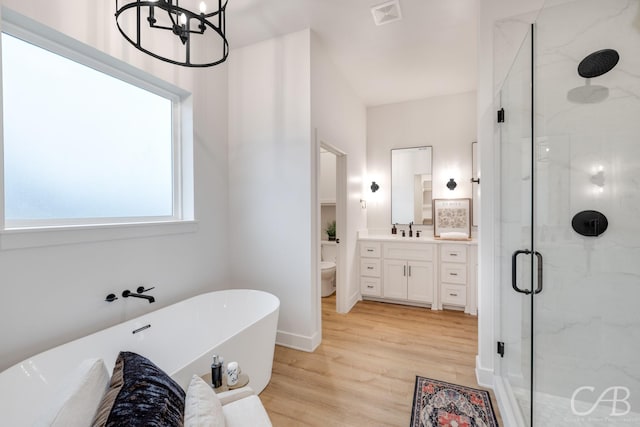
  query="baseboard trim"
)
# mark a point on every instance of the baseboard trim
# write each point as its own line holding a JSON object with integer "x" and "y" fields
{"x": 298, "y": 342}
{"x": 484, "y": 376}
{"x": 353, "y": 300}
{"x": 316, "y": 339}
{"x": 511, "y": 416}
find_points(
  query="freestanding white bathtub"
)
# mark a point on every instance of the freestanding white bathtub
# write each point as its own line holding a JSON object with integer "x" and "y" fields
{"x": 239, "y": 325}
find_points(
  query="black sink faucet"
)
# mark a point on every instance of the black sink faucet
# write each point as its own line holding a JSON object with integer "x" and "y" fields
{"x": 140, "y": 290}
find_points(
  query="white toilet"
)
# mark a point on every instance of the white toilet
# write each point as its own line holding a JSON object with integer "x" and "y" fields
{"x": 328, "y": 267}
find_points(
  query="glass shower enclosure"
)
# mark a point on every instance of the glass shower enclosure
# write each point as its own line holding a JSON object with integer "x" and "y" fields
{"x": 569, "y": 234}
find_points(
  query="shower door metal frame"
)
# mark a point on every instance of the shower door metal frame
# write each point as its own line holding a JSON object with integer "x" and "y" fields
{"x": 533, "y": 251}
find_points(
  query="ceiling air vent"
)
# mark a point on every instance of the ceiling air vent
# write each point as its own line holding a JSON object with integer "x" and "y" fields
{"x": 386, "y": 12}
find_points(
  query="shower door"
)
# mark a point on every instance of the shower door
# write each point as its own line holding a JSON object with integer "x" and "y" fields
{"x": 515, "y": 252}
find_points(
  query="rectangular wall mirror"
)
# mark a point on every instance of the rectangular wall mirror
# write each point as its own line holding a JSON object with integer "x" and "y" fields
{"x": 411, "y": 185}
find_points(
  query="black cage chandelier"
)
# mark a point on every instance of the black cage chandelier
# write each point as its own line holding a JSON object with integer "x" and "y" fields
{"x": 202, "y": 33}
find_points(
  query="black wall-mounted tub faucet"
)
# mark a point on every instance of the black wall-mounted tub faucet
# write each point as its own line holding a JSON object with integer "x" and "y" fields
{"x": 127, "y": 293}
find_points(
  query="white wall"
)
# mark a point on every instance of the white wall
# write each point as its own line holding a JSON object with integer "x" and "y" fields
{"x": 447, "y": 123}
{"x": 340, "y": 118}
{"x": 270, "y": 169}
{"x": 280, "y": 92}
{"x": 53, "y": 294}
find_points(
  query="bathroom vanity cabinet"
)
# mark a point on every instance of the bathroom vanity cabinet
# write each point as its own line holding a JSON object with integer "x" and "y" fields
{"x": 419, "y": 271}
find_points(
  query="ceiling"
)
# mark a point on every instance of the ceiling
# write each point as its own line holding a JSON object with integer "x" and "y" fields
{"x": 431, "y": 51}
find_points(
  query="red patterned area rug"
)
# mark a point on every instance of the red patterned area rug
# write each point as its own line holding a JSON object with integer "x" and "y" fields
{"x": 440, "y": 404}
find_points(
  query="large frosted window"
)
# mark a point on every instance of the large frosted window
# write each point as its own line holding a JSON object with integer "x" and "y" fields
{"x": 81, "y": 144}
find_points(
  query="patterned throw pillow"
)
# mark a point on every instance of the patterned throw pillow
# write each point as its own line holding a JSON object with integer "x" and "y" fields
{"x": 140, "y": 394}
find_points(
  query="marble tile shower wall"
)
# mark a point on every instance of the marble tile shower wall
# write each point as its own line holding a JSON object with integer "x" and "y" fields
{"x": 587, "y": 319}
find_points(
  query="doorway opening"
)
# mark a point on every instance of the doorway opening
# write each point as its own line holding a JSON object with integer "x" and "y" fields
{"x": 332, "y": 219}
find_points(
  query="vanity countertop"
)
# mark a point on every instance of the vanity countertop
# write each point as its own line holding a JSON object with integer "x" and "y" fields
{"x": 422, "y": 239}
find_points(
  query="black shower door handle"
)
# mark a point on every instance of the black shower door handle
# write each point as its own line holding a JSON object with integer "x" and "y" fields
{"x": 540, "y": 284}
{"x": 514, "y": 271}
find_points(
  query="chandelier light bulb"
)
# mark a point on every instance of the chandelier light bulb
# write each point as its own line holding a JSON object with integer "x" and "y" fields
{"x": 203, "y": 7}
{"x": 183, "y": 19}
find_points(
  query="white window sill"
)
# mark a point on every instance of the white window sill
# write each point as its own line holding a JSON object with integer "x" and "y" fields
{"x": 66, "y": 235}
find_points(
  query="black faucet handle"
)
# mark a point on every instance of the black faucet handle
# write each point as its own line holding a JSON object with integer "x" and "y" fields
{"x": 111, "y": 298}
{"x": 141, "y": 289}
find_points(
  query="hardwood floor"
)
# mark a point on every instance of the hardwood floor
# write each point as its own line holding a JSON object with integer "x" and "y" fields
{"x": 364, "y": 371}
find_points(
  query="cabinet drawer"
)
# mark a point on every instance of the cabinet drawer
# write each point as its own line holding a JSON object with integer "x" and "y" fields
{"x": 453, "y": 273}
{"x": 453, "y": 253}
{"x": 370, "y": 249}
{"x": 409, "y": 251}
{"x": 454, "y": 294}
{"x": 370, "y": 286}
{"x": 370, "y": 267}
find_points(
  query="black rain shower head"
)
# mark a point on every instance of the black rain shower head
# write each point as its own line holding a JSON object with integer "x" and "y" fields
{"x": 598, "y": 63}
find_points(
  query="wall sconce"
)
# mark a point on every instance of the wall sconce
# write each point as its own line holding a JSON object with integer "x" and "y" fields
{"x": 374, "y": 187}
{"x": 451, "y": 185}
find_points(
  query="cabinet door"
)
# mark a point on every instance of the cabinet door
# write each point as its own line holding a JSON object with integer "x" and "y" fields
{"x": 395, "y": 279}
{"x": 420, "y": 281}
